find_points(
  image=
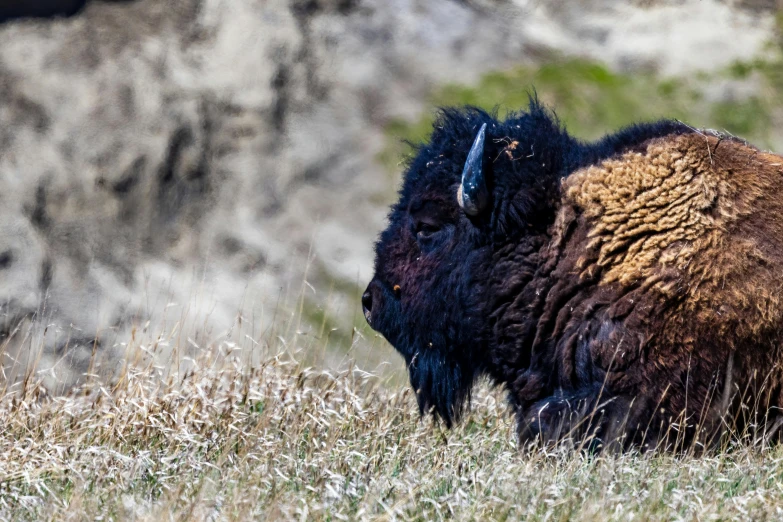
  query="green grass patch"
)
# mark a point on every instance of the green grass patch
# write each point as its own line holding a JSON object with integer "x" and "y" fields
{"x": 592, "y": 100}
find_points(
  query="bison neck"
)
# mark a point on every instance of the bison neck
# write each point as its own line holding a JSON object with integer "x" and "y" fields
{"x": 519, "y": 283}
{"x": 534, "y": 289}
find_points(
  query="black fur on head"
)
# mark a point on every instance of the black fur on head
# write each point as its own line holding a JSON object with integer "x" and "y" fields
{"x": 427, "y": 296}
{"x": 430, "y": 293}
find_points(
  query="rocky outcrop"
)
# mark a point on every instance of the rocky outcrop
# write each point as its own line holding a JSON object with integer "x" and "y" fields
{"x": 179, "y": 161}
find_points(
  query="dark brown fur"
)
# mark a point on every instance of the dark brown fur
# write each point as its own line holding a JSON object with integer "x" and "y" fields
{"x": 669, "y": 271}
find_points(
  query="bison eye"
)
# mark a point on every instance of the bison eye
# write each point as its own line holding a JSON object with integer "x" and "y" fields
{"x": 426, "y": 230}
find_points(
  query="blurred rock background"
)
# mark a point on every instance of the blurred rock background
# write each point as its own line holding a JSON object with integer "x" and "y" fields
{"x": 185, "y": 165}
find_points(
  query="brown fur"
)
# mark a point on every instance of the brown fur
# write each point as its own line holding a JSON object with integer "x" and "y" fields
{"x": 686, "y": 238}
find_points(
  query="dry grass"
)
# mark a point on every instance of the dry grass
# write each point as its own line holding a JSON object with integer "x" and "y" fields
{"x": 220, "y": 438}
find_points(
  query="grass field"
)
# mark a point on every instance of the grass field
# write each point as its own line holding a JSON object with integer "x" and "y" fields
{"x": 243, "y": 429}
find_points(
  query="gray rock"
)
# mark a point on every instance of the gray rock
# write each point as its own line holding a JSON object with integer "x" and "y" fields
{"x": 174, "y": 163}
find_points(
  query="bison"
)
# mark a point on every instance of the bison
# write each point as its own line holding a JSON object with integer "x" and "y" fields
{"x": 625, "y": 292}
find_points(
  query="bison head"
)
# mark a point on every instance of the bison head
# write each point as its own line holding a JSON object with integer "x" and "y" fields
{"x": 478, "y": 187}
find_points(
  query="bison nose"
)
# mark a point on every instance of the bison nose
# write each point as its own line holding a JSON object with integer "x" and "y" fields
{"x": 369, "y": 298}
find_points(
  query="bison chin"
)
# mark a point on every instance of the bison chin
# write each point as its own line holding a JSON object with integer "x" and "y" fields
{"x": 442, "y": 385}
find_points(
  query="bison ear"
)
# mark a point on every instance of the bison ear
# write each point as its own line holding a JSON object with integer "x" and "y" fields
{"x": 472, "y": 194}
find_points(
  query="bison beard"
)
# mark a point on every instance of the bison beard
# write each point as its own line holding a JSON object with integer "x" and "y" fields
{"x": 627, "y": 293}
{"x": 441, "y": 386}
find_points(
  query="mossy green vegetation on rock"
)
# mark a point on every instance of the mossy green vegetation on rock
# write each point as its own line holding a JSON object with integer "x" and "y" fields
{"x": 591, "y": 100}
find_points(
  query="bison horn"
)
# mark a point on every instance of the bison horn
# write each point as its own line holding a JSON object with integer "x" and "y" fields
{"x": 472, "y": 194}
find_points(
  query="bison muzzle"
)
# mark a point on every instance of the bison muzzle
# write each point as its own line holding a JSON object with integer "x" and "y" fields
{"x": 628, "y": 292}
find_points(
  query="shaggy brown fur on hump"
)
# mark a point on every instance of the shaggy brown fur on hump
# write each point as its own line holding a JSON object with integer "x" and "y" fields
{"x": 662, "y": 292}
{"x": 698, "y": 219}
